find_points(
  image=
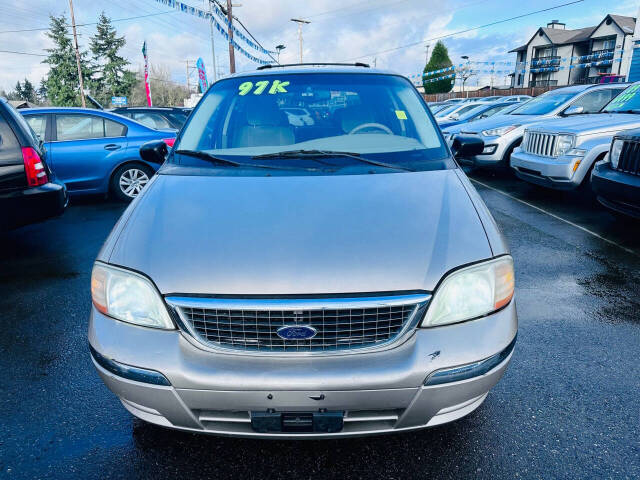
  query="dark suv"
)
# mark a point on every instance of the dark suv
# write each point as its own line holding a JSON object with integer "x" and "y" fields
{"x": 28, "y": 193}
{"x": 158, "y": 118}
{"x": 616, "y": 180}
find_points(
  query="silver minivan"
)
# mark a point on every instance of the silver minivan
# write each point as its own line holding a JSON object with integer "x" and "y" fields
{"x": 305, "y": 281}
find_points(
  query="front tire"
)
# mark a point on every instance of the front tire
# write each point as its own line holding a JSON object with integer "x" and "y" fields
{"x": 128, "y": 181}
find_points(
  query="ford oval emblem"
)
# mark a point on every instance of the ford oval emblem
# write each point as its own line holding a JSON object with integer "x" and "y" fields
{"x": 296, "y": 332}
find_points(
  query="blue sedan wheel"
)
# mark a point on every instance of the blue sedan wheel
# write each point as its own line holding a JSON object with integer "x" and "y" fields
{"x": 129, "y": 180}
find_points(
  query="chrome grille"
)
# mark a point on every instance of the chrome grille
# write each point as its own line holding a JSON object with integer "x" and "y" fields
{"x": 629, "y": 161}
{"x": 340, "y": 324}
{"x": 542, "y": 144}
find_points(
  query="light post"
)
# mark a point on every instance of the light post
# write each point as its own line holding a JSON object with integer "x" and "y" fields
{"x": 300, "y": 22}
{"x": 279, "y": 48}
{"x": 465, "y": 72}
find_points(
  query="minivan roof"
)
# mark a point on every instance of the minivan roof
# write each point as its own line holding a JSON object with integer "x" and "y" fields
{"x": 276, "y": 70}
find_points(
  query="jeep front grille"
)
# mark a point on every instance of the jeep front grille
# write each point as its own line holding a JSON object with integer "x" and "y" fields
{"x": 541, "y": 144}
{"x": 629, "y": 161}
{"x": 341, "y": 324}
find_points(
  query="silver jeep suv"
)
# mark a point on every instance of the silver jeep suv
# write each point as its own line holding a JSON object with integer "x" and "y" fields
{"x": 502, "y": 134}
{"x": 278, "y": 280}
{"x": 561, "y": 153}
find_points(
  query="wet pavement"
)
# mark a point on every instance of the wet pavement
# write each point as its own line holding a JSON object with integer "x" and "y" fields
{"x": 568, "y": 406}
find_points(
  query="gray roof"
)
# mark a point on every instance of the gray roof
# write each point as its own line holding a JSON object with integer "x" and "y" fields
{"x": 519, "y": 49}
{"x": 626, "y": 24}
{"x": 562, "y": 37}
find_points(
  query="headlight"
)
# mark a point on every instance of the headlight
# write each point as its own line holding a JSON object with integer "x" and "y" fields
{"x": 127, "y": 296}
{"x": 472, "y": 292}
{"x": 616, "y": 150}
{"x": 498, "y": 132}
{"x": 564, "y": 143}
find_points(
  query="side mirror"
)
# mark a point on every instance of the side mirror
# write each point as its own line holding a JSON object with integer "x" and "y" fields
{"x": 465, "y": 147}
{"x": 154, "y": 151}
{"x": 574, "y": 110}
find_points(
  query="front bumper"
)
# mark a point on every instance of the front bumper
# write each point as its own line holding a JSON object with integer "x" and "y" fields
{"x": 558, "y": 173}
{"x": 379, "y": 392}
{"x": 616, "y": 190}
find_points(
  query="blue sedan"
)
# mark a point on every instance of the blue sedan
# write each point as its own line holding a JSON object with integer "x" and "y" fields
{"x": 96, "y": 152}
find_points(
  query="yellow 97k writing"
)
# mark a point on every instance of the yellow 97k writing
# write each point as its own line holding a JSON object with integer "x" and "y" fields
{"x": 277, "y": 86}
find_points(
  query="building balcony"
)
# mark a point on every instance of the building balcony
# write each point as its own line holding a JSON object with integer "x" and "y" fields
{"x": 545, "y": 61}
{"x": 602, "y": 54}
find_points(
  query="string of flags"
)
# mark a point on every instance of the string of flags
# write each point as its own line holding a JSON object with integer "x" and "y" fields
{"x": 184, "y": 8}
{"x": 552, "y": 68}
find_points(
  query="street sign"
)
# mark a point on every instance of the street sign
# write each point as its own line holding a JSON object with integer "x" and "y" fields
{"x": 119, "y": 101}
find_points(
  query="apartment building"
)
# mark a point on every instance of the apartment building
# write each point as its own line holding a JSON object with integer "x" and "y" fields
{"x": 557, "y": 56}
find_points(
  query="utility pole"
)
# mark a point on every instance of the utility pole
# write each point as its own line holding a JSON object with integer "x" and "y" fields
{"x": 427, "y": 49}
{"x": 188, "y": 87}
{"x": 300, "y": 22}
{"x": 213, "y": 47}
{"x": 232, "y": 53}
{"x": 75, "y": 40}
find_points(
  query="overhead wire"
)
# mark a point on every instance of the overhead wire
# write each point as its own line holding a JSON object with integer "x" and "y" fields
{"x": 459, "y": 32}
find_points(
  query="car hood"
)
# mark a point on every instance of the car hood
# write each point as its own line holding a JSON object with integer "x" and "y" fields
{"x": 589, "y": 124}
{"x": 496, "y": 122}
{"x": 300, "y": 234}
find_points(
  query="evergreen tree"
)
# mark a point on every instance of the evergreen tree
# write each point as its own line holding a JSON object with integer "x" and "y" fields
{"x": 41, "y": 93}
{"x": 27, "y": 91}
{"x": 439, "y": 59}
{"x": 18, "y": 91}
{"x": 111, "y": 75}
{"x": 62, "y": 84}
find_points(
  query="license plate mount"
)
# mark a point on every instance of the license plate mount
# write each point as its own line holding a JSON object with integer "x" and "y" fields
{"x": 297, "y": 422}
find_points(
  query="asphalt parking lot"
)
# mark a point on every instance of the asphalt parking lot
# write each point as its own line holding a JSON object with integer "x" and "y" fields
{"x": 567, "y": 407}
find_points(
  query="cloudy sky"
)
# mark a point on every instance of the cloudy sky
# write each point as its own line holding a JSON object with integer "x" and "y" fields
{"x": 340, "y": 30}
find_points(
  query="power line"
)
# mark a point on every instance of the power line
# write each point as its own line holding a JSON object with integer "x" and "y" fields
{"x": 400, "y": 47}
{"x": 90, "y": 23}
{"x": 24, "y": 53}
{"x": 254, "y": 38}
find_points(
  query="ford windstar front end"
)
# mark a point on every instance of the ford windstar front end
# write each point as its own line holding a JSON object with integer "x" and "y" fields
{"x": 305, "y": 281}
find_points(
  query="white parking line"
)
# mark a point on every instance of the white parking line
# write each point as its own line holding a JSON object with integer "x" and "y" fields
{"x": 586, "y": 230}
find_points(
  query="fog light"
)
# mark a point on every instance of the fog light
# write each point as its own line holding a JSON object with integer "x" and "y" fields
{"x": 489, "y": 149}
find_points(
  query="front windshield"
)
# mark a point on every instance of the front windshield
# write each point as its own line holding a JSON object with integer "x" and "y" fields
{"x": 447, "y": 110}
{"x": 471, "y": 112}
{"x": 627, "y": 101}
{"x": 459, "y": 114}
{"x": 545, "y": 103}
{"x": 377, "y": 116}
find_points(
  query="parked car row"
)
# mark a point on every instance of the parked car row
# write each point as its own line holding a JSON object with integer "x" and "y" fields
{"x": 49, "y": 154}
{"x": 583, "y": 137}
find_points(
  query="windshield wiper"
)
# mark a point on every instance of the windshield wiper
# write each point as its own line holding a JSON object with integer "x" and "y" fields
{"x": 208, "y": 157}
{"x": 230, "y": 163}
{"x": 327, "y": 154}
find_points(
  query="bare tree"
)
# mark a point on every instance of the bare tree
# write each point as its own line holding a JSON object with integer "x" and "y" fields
{"x": 164, "y": 91}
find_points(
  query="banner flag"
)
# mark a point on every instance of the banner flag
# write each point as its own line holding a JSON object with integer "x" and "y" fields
{"x": 147, "y": 87}
{"x": 184, "y": 8}
{"x": 202, "y": 75}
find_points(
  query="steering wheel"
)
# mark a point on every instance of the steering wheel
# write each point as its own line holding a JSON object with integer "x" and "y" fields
{"x": 378, "y": 126}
